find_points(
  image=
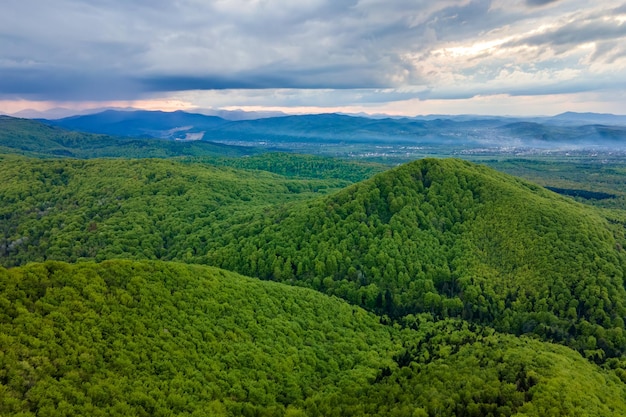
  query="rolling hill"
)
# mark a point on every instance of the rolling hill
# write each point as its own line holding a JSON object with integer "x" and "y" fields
{"x": 157, "y": 338}
{"x": 451, "y": 239}
{"x": 69, "y": 210}
{"x": 443, "y": 288}
{"x": 293, "y": 132}
{"x": 33, "y": 138}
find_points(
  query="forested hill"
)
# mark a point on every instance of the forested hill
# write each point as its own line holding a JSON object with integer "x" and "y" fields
{"x": 33, "y": 138}
{"x": 456, "y": 280}
{"x": 442, "y": 237}
{"x": 66, "y": 209}
{"x": 125, "y": 338}
{"x": 451, "y": 239}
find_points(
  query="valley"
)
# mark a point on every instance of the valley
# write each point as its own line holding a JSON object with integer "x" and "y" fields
{"x": 148, "y": 276}
{"x": 321, "y": 208}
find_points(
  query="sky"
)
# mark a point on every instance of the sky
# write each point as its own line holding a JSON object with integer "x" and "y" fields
{"x": 402, "y": 57}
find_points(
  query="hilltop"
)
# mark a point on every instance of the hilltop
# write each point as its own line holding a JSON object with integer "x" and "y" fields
{"x": 156, "y": 338}
{"x": 36, "y": 139}
{"x": 442, "y": 288}
{"x": 452, "y": 239}
{"x": 352, "y": 134}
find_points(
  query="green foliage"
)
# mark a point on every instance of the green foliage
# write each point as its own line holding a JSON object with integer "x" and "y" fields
{"x": 456, "y": 368}
{"x": 140, "y": 209}
{"x": 590, "y": 180}
{"x": 161, "y": 338}
{"x": 303, "y": 166}
{"x": 447, "y": 253}
{"x": 157, "y": 338}
{"x": 444, "y": 237}
{"x": 452, "y": 239}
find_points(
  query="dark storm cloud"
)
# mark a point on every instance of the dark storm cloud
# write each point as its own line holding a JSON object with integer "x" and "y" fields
{"x": 164, "y": 46}
{"x": 540, "y": 2}
{"x": 63, "y": 84}
{"x": 576, "y": 33}
{"x": 573, "y": 86}
{"x": 280, "y": 75}
{"x": 124, "y": 49}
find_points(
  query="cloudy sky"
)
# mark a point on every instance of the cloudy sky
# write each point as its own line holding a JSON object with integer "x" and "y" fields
{"x": 525, "y": 57}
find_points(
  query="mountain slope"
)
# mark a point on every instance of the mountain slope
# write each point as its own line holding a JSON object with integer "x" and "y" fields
{"x": 33, "y": 138}
{"x": 337, "y": 128}
{"x": 442, "y": 237}
{"x": 452, "y": 239}
{"x": 294, "y": 132}
{"x": 588, "y": 118}
{"x": 155, "y": 338}
{"x": 67, "y": 209}
{"x": 141, "y": 123}
{"x": 543, "y": 134}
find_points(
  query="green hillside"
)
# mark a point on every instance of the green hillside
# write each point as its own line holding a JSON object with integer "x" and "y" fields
{"x": 142, "y": 209}
{"x": 447, "y": 238}
{"x": 466, "y": 292}
{"x": 32, "y": 138}
{"x": 125, "y": 338}
{"x": 303, "y": 166}
{"x": 452, "y": 239}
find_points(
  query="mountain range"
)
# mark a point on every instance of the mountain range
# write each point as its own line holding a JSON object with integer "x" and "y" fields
{"x": 573, "y": 129}
{"x": 33, "y": 138}
{"x": 277, "y": 284}
{"x": 439, "y": 287}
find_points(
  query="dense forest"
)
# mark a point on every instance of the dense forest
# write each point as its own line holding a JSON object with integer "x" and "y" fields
{"x": 452, "y": 239}
{"x": 436, "y": 288}
{"x": 141, "y": 209}
{"x": 158, "y": 339}
{"x": 599, "y": 181}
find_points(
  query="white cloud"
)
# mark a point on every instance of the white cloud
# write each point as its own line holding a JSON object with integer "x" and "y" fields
{"x": 309, "y": 52}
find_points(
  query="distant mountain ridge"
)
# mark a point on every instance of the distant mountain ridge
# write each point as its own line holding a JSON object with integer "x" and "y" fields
{"x": 579, "y": 129}
{"x": 141, "y": 123}
{"x": 589, "y": 118}
{"x": 34, "y": 138}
